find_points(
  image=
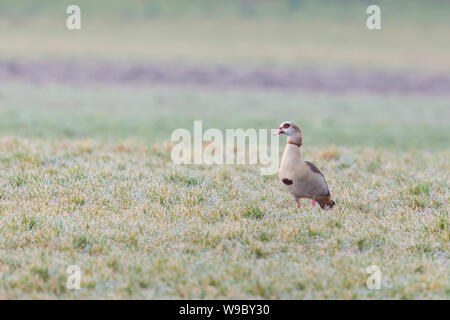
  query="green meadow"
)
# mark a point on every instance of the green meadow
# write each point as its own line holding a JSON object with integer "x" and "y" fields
{"x": 86, "y": 176}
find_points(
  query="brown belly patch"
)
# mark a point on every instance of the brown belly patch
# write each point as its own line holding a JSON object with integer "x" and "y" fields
{"x": 287, "y": 181}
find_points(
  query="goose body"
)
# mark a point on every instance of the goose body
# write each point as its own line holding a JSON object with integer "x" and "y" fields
{"x": 302, "y": 178}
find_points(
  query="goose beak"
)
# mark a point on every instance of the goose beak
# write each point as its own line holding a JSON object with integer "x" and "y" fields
{"x": 278, "y": 132}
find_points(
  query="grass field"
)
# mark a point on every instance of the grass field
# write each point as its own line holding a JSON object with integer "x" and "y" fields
{"x": 96, "y": 188}
{"x": 86, "y": 176}
{"x": 140, "y": 228}
{"x": 306, "y": 33}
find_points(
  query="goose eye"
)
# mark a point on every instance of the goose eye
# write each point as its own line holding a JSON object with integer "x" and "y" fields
{"x": 286, "y": 125}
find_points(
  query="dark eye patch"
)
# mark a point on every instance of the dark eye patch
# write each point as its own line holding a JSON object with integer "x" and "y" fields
{"x": 286, "y": 125}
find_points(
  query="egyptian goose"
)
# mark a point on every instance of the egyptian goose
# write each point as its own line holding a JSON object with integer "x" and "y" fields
{"x": 302, "y": 178}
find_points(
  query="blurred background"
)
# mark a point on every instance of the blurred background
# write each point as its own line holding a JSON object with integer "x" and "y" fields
{"x": 140, "y": 69}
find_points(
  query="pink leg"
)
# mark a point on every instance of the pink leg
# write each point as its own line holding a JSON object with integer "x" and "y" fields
{"x": 298, "y": 205}
{"x": 314, "y": 203}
